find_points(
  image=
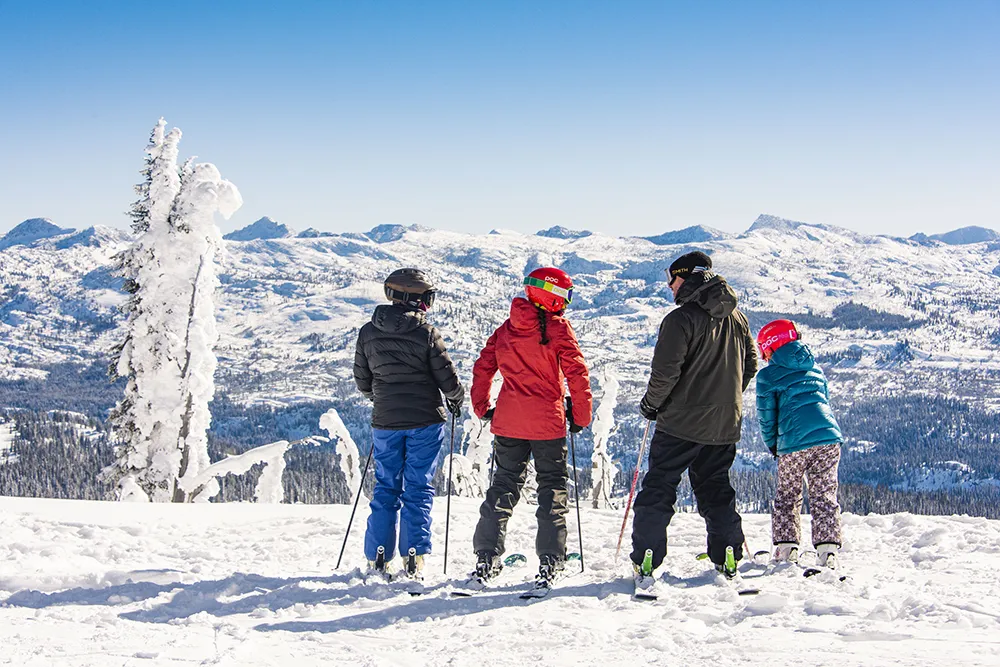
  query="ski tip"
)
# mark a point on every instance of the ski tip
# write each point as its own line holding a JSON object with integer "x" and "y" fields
{"x": 748, "y": 591}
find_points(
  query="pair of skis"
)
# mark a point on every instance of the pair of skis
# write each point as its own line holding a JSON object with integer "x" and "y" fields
{"x": 539, "y": 589}
{"x": 808, "y": 571}
{"x": 647, "y": 587}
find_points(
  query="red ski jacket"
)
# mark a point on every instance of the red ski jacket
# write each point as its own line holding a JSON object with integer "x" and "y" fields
{"x": 531, "y": 404}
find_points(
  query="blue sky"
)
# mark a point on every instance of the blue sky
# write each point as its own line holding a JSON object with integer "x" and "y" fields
{"x": 622, "y": 117}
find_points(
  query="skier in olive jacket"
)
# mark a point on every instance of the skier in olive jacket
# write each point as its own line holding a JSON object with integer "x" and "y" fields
{"x": 704, "y": 360}
{"x": 401, "y": 365}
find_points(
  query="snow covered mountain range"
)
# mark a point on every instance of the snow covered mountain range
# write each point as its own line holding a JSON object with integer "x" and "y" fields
{"x": 898, "y": 323}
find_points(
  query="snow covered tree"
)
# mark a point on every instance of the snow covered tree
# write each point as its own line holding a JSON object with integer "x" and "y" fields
{"x": 347, "y": 454}
{"x": 604, "y": 470}
{"x": 170, "y": 331}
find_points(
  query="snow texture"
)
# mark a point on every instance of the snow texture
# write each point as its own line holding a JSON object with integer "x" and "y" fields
{"x": 87, "y": 584}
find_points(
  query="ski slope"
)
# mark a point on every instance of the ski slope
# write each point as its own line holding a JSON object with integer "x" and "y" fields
{"x": 86, "y": 583}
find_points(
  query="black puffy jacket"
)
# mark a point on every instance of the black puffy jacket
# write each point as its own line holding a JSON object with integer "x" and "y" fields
{"x": 401, "y": 363}
{"x": 704, "y": 360}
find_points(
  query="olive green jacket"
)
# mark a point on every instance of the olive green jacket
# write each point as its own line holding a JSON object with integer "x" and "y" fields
{"x": 704, "y": 360}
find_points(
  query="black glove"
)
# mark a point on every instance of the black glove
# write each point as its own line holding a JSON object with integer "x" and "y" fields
{"x": 573, "y": 426}
{"x": 774, "y": 451}
{"x": 647, "y": 410}
{"x": 489, "y": 415}
{"x": 454, "y": 405}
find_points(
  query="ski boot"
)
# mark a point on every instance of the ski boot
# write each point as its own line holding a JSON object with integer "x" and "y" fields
{"x": 728, "y": 567}
{"x": 826, "y": 555}
{"x": 645, "y": 568}
{"x": 413, "y": 566}
{"x": 786, "y": 552}
{"x": 377, "y": 567}
{"x": 548, "y": 567}
{"x": 488, "y": 565}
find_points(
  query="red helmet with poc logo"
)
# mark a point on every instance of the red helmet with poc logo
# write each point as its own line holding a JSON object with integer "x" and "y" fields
{"x": 549, "y": 288}
{"x": 774, "y": 335}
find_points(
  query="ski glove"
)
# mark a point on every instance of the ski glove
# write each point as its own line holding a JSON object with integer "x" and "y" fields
{"x": 774, "y": 451}
{"x": 454, "y": 405}
{"x": 573, "y": 426}
{"x": 489, "y": 415}
{"x": 647, "y": 410}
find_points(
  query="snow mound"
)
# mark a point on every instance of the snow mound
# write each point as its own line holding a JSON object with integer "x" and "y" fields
{"x": 31, "y": 230}
{"x": 262, "y": 229}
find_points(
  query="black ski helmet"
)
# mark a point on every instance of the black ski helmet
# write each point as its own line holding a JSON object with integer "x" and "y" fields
{"x": 410, "y": 287}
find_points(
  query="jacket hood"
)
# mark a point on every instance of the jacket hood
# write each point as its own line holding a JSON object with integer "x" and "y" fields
{"x": 523, "y": 314}
{"x": 396, "y": 318}
{"x": 710, "y": 292}
{"x": 795, "y": 355}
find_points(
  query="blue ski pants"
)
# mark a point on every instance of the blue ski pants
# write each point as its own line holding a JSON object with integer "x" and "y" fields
{"x": 404, "y": 474}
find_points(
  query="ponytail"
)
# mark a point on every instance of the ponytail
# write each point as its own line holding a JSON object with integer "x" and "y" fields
{"x": 541, "y": 325}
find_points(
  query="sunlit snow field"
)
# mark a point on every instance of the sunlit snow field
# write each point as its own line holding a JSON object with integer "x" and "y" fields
{"x": 88, "y": 583}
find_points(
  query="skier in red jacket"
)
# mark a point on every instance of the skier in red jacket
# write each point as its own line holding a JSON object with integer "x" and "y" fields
{"x": 537, "y": 355}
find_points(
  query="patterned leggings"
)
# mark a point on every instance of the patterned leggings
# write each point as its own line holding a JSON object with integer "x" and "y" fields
{"x": 819, "y": 466}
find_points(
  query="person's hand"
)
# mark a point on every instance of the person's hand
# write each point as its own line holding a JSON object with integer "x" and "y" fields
{"x": 489, "y": 415}
{"x": 454, "y": 405}
{"x": 647, "y": 410}
{"x": 573, "y": 426}
{"x": 774, "y": 451}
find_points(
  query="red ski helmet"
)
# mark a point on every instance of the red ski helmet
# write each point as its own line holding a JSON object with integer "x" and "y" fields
{"x": 549, "y": 288}
{"x": 775, "y": 334}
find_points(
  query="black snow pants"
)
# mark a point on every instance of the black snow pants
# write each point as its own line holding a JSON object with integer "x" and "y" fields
{"x": 708, "y": 468}
{"x": 511, "y": 457}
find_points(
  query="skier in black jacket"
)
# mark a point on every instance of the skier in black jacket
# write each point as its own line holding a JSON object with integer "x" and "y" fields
{"x": 401, "y": 365}
{"x": 704, "y": 360}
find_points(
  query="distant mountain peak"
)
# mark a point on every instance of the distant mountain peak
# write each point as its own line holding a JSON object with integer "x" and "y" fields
{"x": 767, "y": 221}
{"x": 313, "y": 233}
{"x": 961, "y": 236}
{"x": 31, "y": 230}
{"x": 693, "y": 234}
{"x": 95, "y": 237}
{"x": 265, "y": 228}
{"x": 391, "y": 232}
{"x": 560, "y": 232}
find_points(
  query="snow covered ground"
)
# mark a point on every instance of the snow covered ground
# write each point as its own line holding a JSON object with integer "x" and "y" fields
{"x": 87, "y": 583}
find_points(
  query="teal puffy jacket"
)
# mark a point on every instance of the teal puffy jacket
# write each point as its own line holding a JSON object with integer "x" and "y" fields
{"x": 793, "y": 402}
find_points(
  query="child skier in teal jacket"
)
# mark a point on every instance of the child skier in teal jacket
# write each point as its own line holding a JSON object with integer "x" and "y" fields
{"x": 799, "y": 428}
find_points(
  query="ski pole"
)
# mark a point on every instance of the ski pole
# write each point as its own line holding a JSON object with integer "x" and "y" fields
{"x": 447, "y": 511}
{"x": 356, "y": 499}
{"x": 631, "y": 494}
{"x": 576, "y": 490}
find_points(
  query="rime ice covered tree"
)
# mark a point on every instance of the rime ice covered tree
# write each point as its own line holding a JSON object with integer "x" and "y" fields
{"x": 346, "y": 450}
{"x": 170, "y": 331}
{"x": 604, "y": 469}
